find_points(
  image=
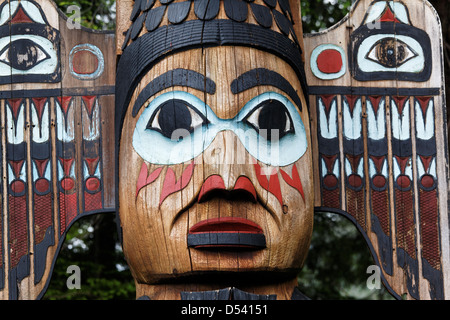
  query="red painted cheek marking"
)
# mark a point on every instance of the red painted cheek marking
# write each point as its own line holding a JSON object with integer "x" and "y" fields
{"x": 170, "y": 184}
{"x": 272, "y": 185}
{"x": 145, "y": 179}
{"x": 295, "y": 181}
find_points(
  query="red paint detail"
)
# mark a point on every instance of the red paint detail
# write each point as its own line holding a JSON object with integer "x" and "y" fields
{"x": 356, "y": 206}
{"x": 18, "y": 229}
{"x": 402, "y": 161}
{"x": 351, "y": 100}
{"x": 66, "y": 164}
{"x": 145, "y": 179}
{"x": 21, "y": 17}
{"x": 404, "y": 181}
{"x": 295, "y": 181}
{"x": 92, "y": 164}
{"x": 379, "y": 181}
{"x": 92, "y": 184}
{"x": 400, "y": 102}
{"x": 330, "y": 181}
{"x": 380, "y": 207}
{"x": 429, "y": 227}
{"x": 272, "y": 185}
{"x": 329, "y": 61}
{"x": 244, "y": 183}
{"x": 375, "y": 101}
{"x": 89, "y": 102}
{"x": 39, "y": 104}
{"x": 388, "y": 16}
{"x": 68, "y": 209}
{"x": 64, "y": 102}
{"x": 427, "y": 181}
{"x": 405, "y": 221}
{"x": 423, "y": 101}
{"x": 355, "y": 181}
{"x": 92, "y": 201}
{"x": 214, "y": 182}
{"x": 378, "y": 161}
{"x": 331, "y": 198}
{"x": 226, "y": 224}
{"x": 18, "y": 186}
{"x": 84, "y": 62}
{"x": 170, "y": 185}
{"x": 327, "y": 99}
{"x": 15, "y": 106}
{"x": 43, "y": 215}
{"x": 41, "y": 165}
{"x": 67, "y": 184}
{"x": 42, "y": 185}
{"x": 426, "y": 161}
{"x": 354, "y": 161}
{"x": 329, "y": 161}
{"x": 17, "y": 166}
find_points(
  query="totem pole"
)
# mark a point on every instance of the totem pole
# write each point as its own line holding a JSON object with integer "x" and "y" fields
{"x": 227, "y": 129}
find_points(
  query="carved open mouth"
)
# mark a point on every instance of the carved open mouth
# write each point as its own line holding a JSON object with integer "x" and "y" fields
{"x": 226, "y": 232}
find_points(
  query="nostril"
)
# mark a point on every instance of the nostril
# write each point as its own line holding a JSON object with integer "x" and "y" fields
{"x": 244, "y": 185}
{"x": 211, "y": 185}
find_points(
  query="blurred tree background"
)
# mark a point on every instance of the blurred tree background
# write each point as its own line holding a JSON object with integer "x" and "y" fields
{"x": 336, "y": 267}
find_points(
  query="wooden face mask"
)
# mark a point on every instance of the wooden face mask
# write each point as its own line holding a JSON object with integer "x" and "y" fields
{"x": 215, "y": 158}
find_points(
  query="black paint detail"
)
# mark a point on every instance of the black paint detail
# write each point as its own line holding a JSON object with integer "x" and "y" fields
{"x": 40, "y": 254}
{"x": 176, "y": 77}
{"x": 40, "y": 151}
{"x": 251, "y": 240}
{"x": 377, "y": 147}
{"x": 178, "y": 11}
{"x": 147, "y": 4}
{"x": 262, "y": 15}
{"x": 353, "y": 147}
{"x": 16, "y": 275}
{"x": 136, "y": 10}
{"x": 384, "y": 244}
{"x": 221, "y": 294}
{"x": 140, "y": 55}
{"x": 143, "y": 298}
{"x": 435, "y": 280}
{"x": 286, "y": 8}
{"x": 411, "y": 268}
{"x": 282, "y": 22}
{"x": 262, "y": 77}
{"x": 271, "y": 3}
{"x": 401, "y": 148}
{"x": 242, "y": 295}
{"x": 328, "y": 146}
{"x": 206, "y": 9}
{"x": 363, "y": 32}
{"x": 154, "y": 18}
{"x": 372, "y": 91}
{"x": 16, "y": 152}
{"x": 236, "y": 10}
{"x": 165, "y": 1}
{"x": 298, "y": 295}
{"x": 137, "y": 26}
{"x": 426, "y": 147}
{"x": 127, "y": 38}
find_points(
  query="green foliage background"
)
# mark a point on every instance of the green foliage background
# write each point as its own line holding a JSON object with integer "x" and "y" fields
{"x": 336, "y": 267}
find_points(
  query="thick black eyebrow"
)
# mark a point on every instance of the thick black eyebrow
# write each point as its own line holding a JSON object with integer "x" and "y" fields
{"x": 261, "y": 77}
{"x": 176, "y": 77}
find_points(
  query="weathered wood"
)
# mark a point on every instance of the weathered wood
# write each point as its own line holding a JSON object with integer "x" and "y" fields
{"x": 386, "y": 110}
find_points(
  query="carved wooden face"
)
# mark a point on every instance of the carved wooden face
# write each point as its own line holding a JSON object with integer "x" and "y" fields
{"x": 216, "y": 166}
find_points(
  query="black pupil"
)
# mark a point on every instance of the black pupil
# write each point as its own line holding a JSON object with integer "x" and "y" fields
{"x": 272, "y": 119}
{"x": 174, "y": 115}
{"x": 23, "y": 54}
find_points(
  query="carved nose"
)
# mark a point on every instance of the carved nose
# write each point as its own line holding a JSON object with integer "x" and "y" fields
{"x": 214, "y": 186}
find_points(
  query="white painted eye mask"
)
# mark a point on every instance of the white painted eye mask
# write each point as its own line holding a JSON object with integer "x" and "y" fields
{"x": 177, "y": 127}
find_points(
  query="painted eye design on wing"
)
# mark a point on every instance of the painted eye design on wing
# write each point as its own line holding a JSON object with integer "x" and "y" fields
{"x": 391, "y": 52}
{"x": 271, "y": 119}
{"x": 23, "y": 54}
{"x": 175, "y": 119}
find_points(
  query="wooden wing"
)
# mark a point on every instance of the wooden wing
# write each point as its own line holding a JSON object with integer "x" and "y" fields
{"x": 57, "y": 115}
{"x": 379, "y": 138}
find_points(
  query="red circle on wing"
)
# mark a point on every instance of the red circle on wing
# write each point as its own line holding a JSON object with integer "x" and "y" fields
{"x": 92, "y": 184}
{"x": 42, "y": 185}
{"x": 18, "y": 186}
{"x": 379, "y": 181}
{"x": 404, "y": 181}
{"x": 329, "y": 61}
{"x": 67, "y": 184}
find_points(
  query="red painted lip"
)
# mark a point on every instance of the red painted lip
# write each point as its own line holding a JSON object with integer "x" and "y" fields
{"x": 226, "y": 225}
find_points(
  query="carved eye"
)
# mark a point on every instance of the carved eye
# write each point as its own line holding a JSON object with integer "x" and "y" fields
{"x": 391, "y": 52}
{"x": 23, "y": 54}
{"x": 271, "y": 119}
{"x": 176, "y": 119}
